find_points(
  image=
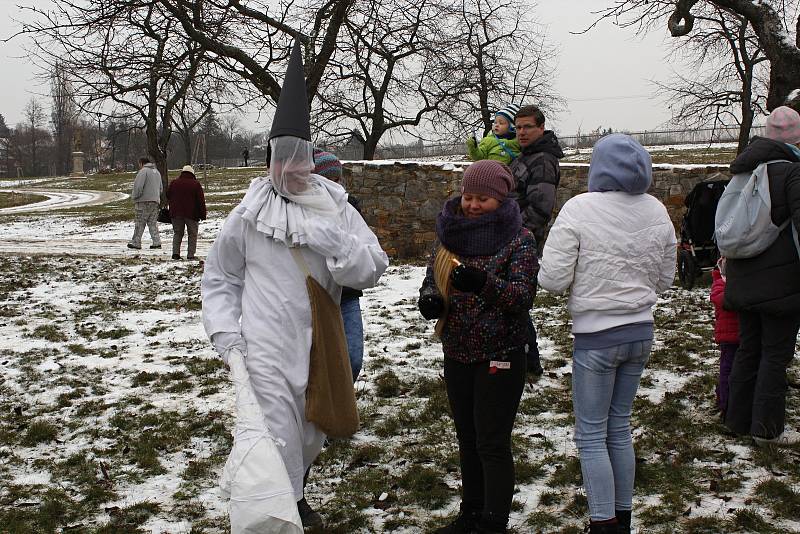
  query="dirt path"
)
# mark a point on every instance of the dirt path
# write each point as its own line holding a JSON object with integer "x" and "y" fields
{"x": 61, "y": 199}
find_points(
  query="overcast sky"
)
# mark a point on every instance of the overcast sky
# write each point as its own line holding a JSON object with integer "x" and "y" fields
{"x": 603, "y": 74}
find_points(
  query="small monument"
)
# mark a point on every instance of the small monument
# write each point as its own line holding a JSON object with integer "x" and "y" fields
{"x": 77, "y": 156}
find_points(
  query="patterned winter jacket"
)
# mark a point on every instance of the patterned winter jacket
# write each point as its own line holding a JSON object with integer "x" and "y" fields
{"x": 493, "y": 147}
{"x": 491, "y": 325}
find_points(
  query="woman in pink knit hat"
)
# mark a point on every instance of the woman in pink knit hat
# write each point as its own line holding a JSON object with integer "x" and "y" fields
{"x": 480, "y": 285}
{"x": 765, "y": 291}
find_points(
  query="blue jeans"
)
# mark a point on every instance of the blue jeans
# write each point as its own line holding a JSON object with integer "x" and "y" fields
{"x": 354, "y": 332}
{"x": 604, "y": 384}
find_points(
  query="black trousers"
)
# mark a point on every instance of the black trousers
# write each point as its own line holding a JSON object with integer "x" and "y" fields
{"x": 757, "y": 384}
{"x": 484, "y": 406}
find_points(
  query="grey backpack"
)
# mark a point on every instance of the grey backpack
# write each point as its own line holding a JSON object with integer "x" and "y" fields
{"x": 743, "y": 226}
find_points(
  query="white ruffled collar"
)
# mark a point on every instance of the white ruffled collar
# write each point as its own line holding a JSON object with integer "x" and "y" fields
{"x": 281, "y": 219}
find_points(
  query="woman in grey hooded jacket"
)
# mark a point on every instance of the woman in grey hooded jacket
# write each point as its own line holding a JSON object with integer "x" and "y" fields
{"x": 614, "y": 249}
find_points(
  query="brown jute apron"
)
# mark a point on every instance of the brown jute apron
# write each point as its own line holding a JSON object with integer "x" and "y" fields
{"x": 330, "y": 397}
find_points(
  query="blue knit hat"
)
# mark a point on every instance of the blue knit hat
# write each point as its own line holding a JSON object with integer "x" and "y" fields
{"x": 509, "y": 113}
{"x": 327, "y": 165}
{"x": 620, "y": 163}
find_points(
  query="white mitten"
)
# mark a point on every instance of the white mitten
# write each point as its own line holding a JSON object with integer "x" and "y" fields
{"x": 225, "y": 341}
{"x": 325, "y": 236}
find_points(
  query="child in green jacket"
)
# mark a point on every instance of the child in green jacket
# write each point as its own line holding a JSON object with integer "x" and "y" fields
{"x": 501, "y": 144}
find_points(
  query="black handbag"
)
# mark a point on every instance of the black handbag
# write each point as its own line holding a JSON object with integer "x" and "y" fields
{"x": 163, "y": 216}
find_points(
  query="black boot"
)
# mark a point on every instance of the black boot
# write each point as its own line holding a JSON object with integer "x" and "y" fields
{"x": 492, "y": 524}
{"x": 624, "y": 520}
{"x": 309, "y": 517}
{"x": 464, "y": 523}
{"x": 604, "y": 527}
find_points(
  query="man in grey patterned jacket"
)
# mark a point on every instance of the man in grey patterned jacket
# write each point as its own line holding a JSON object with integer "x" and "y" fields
{"x": 146, "y": 196}
{"x": 537, "y": 173}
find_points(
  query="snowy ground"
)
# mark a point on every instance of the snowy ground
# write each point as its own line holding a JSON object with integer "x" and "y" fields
{"x": 115, "y": 413}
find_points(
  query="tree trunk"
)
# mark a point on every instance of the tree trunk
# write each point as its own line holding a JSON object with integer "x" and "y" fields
{"x": 187, "y": 146}
{"x": 370, "y": 146}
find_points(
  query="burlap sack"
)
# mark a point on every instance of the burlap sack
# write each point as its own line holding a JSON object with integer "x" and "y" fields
{"x": 330, "y": 397}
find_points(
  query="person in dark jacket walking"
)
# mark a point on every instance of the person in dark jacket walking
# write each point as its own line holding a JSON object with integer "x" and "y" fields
{"x": 726, "y": 333}
{"x": 537, "y": 174}
{"x": 765, "y": 290}
{"x": 187, "y": 206}
{"x": 480, "y": 284}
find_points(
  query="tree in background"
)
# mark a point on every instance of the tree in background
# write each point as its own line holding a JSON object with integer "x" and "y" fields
{"x": 62, "y": 118}
{"x": 382, "y": 80}
{"x": 126, "y": 60}
{"x": 728, "y": 85}
{"x": 501, "y": 56}
{"x": 33, "y": 139}
{"x": 774, "y": 22}
{"x": 253, "y": 39}
{"x": 4, "y": 131}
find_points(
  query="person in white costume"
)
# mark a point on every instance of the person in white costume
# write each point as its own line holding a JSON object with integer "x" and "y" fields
{"x": 254, "y": 294}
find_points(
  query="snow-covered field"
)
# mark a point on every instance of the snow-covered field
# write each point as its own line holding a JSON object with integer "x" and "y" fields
{"x": 115, "y": 413}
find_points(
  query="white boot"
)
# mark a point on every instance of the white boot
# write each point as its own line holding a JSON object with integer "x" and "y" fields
{"x": 787, "y": 438}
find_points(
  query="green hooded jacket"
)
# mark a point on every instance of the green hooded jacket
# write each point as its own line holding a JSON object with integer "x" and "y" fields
{"x": 492, "y": 147}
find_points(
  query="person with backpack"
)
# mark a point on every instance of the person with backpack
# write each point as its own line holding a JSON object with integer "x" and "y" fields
{"x": 765, "y": 289}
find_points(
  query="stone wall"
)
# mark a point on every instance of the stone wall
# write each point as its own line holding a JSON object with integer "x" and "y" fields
{"x": 400, "y": 200}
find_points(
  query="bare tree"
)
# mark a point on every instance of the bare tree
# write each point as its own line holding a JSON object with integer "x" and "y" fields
{"x": 502, "y": 56}
{"x": 383, "y": 80}
{"x": 231, "y": 127}
{"x": 254, "y": 43}
{"x": 62, "y": 117}
{"x": 126, "y": 59}
{"x": 34, "y": 122}
{"x": 779, "y": 40}
{"x": 729, "y": 81}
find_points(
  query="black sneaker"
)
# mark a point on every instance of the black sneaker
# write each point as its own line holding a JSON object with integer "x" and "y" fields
{"x": 309, "y": 517}
{"x": 176, "y": 257}
{"x": 130, "y": 245}
{"x": 191, "y": 257}
{"x": 155, "y": 246}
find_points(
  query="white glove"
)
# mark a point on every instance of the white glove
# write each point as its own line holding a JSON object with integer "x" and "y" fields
{"x": 323, "y": 235}
{"x": 225, "y": 341}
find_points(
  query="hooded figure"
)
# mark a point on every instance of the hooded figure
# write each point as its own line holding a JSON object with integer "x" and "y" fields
{"x": 614, "y": 248}
{"x": 254, "y": 294}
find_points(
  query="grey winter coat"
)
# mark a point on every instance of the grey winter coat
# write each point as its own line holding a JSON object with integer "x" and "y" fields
{"x": 537, "y": 174}
{"x": 147, "y": 185}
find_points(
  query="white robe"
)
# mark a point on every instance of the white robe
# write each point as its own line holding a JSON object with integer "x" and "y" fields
{"x": 250, "y": 275}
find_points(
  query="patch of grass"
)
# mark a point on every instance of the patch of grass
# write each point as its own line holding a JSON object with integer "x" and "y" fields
{"x": 50, "y": 332}
{"x": 387, "y": 384}
{"x": 129, "y": 519}
{"x": 39, "y": 431}
{"x": 424, "y": 486}
{"x": 751, "y": 520}
{"x": 567, "y": 473}
{"x": 113, "y": 333}
{"x": 13, "y": 199}
{"x": 782, "y": 498}
{"x": 143, "y": 378}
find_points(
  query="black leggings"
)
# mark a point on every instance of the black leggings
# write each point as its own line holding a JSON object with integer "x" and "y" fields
{"x": 484, "y": 406}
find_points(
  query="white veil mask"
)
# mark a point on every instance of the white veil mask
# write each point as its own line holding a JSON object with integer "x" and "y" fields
{"x": 291, "y": 165}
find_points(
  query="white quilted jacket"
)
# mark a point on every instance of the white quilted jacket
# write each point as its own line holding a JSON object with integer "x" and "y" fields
{"x": 614, "y": 251}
